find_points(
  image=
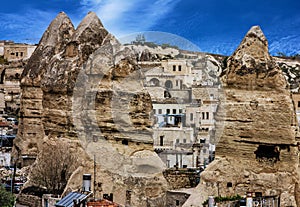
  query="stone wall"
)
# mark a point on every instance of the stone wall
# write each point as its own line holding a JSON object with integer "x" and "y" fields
{"x": 29, "y": 200}
{"x": 182, "y": 178}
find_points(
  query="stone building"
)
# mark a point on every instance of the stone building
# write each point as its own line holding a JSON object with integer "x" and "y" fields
{"x": 15, "y": 51}
{"x": 16, "y": 56}
{"x": 180, "y": 105}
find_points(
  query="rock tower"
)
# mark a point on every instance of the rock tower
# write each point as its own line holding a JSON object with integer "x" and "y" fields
{"x": 257, "y": 150}
{"x": 82, "y": 86}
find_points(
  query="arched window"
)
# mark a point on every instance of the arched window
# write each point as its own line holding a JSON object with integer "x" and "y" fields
{"x": 154, "y": 82}
{"x": 169, "y": 84}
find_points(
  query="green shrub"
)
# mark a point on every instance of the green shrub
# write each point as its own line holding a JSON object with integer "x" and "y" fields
{"x": 7, "y": 199}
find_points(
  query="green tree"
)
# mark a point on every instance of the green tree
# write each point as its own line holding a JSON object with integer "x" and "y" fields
{"x": 6, "y": 198}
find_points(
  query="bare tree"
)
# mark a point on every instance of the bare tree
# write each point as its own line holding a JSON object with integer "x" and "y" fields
{"x": 53, "y": 167}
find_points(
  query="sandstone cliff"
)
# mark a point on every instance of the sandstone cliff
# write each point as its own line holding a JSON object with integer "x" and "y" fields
{"x": 257, "y": 149}
{"x": 82, "y": 86}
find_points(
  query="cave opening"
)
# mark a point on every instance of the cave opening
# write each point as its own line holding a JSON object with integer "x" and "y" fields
{"x": 268, "y": 153}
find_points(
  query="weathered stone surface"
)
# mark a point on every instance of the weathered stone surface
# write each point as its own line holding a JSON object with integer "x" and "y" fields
{"x": 257, "y": 149}
{"x": 251, "y": 66}
{"x": 83, "y": 86}
{"x": 52, "y": 43}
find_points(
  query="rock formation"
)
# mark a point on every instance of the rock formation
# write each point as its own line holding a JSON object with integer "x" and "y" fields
{"x": 256, "y": 125}
{"x": 82, "y": 86}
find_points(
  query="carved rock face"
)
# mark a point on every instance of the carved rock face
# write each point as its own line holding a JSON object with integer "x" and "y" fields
{"x": 257, "y": 146}
{"x": 82, "y": 85}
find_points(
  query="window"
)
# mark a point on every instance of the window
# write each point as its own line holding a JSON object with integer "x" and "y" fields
{"x": 203, "y": 115}
{"x": 125, "y": 142}
{"x": 174, "y": 67}
{"x": 154, "y": 111}
{"x": 179, "y": 67}
{"x": 95, "y": 138}
{"x": 229, "y": 185}
{"x": 21, "y": 54}
{"x": 177, "y": 202}
{"x": 202, "y": 140}
{"x": 177, "y": 141}
{"x": 191, "y": 116}
{"x": 128, "y": 197}
{"x": 174, "y": 111}
{"x": 161, "y": 141}
{"x": 298, "y": 103}
{"x": 159, "y": 111}
{"x": 204, "y": 151}
{"x": 17, "y": 54}
{"x": 176, "y": 82}
{"x": 180, "y": 111}
{"x": 184, "y": 140}
{"x": 207, "y": 115}
{"x": 168, "y": 111}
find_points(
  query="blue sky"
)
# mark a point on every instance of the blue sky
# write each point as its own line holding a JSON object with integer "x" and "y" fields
{"x": 215, "y": 26}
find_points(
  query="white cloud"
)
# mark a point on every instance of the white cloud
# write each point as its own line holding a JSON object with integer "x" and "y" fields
{"x": 122, "y": 17}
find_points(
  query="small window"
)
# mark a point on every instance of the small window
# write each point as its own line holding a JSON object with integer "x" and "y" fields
{"x": 154, "y": 111}
{"x": 12, "y": 53}
{"x": 298, "y": 103}
{"x": 203, "y": 115}
{"x": 125, "y": 142}
{"x": 191, "y": 116}
{"x": 179, "y": 68}
{"x": 95, "y": 138}
{"x": 177, "y": 203}
{"x": 174, "y": 111}
{"x": 21, "y": 54}
{"x": 168, "y": 111}
{"x": 176, "y": 82}
{"x": 177, "y": 141}
{"x": 174, "y": 67}
{"x": 207, "y": 115}
{"x": 229, "y": 185}
{"x": 17, "y": 54}
{"x": 180, "y": 111}
{"x": 159, "y": 111}
{"x": 184, "y": 140}
{"x": 202, "y": 140}
{"x": 161, "y": 141}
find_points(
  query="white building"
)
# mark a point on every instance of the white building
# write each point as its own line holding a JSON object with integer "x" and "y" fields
{"x": 5, "y": 158}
